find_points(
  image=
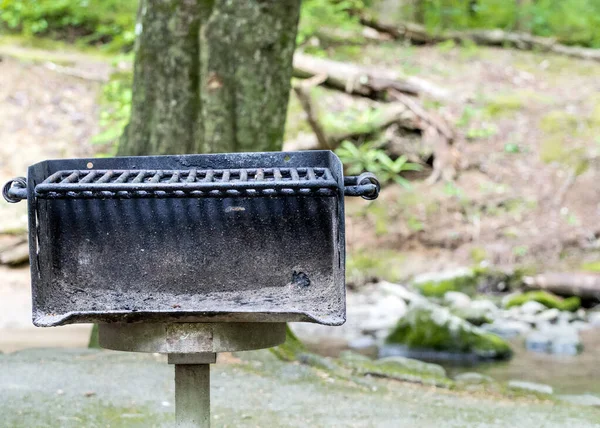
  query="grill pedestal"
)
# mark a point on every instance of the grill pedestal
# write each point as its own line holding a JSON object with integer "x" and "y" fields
{"x": 191, "y": 347}
{"x": 189, "y": 255}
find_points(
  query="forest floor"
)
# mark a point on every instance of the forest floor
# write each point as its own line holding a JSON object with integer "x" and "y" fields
{"x": 528, "y": 148}
{"x": 527, "y": 193}
{"x": 43, "y": 115}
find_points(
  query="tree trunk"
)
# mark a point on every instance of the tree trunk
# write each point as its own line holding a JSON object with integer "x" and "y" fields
{"x": 211, "y": 76}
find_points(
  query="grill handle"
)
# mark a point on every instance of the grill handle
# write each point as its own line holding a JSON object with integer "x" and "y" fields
{"x": 365, "y": 185}
{"x": 15, "y": 190}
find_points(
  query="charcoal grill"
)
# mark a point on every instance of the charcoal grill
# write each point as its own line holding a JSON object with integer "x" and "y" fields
{"x": 189, "y": 255}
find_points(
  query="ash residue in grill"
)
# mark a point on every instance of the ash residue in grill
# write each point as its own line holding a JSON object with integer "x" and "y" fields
{"x": 301, "y": 279}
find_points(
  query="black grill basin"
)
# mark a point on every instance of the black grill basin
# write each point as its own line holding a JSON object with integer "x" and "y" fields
{"x": 252, "y": 237}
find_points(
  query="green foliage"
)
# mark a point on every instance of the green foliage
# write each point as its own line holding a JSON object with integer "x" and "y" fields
{"x": 109, "y": 22}
{"x": 368, "y": 157}
{"x": 478, "y": 254}
{"x": 591, "y": 266}
{"x": 545, "y": 298}
{"x": 437, "y": 288}
{"x": 476, "y": 123}
{"x": 336, "y": 15}
{"x": 115, "y": 102}
{"x": 504, "y": 104}
{"x": 366, "y": 266}
{"x": 570, "y": 21}
{"x": 512, "y": 148}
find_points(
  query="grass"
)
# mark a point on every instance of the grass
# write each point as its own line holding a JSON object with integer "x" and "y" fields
{"x": 362, "y": 266}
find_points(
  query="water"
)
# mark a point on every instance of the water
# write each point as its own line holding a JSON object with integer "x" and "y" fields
{"x": 577, "y": 374}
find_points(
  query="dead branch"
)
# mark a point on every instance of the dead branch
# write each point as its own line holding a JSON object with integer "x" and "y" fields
{"x": 363, "y": 81}
{"x": 302, "y": 91}
{"x": 564, "y": 188}
{"x": 15, "y": 255}
{"x": 387, "y": 115}
{"x": 438, "y": 135}
{"x": 74, "y": 72}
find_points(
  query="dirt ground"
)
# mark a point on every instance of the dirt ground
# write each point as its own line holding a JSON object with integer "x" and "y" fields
{"x": 43, "y": 114}
{"x": 527, "y": 193}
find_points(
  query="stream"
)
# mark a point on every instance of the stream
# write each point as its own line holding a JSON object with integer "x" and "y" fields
{"x": 566, "y": 374}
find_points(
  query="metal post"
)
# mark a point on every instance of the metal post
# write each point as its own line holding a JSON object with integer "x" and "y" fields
{"x": 192, "y": 395}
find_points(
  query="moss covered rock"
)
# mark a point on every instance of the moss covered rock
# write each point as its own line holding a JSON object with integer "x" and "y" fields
{"x": 430, "y": 327}
{"x": 545, "y": 298}
{"x": 468, "y": 280}
{"x": 399, "y": 368}
{"x": 439, "y": 283}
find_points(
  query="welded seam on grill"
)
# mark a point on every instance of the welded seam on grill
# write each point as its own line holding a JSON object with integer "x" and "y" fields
{"x": 250, "y": 182}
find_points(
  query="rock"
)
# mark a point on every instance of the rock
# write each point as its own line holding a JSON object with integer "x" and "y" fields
{"x": 436, "y": 284}
{"x": 594, "y": 319}
{"x": 539, "y": 388}
{"x": 399, "y": 291}
{"x": 581, "y": 400}
{"x": 456, "y": 299}
{"x": 547, "y": 299}
{"x": 364, "y": 344}
{"x": 580, "y": 314}
{"x": 370, "y": 311}
{"x": 384, "y": 314}
{"x": 507, "y": 328}
{"x": 532, "y": 307}
{"x": 317, "y": 361}
{"x": 568, "y": 344}
{"x": 548, "y": 315}
{"x": 472, "y": 378}
{"x": 538, "y": 341}
{"x": 478, "y": 312}
{"x": 581, "y": 325}
{"x": 431, "y": 327}
{"x": 484, "y": 305}
{"x": 554, "y": 339}
{"x": 566, "y": 317}
{"x": 415, "y": 366}
{"x": 399, "y": 368}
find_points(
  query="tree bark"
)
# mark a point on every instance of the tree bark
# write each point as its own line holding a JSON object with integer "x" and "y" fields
{"x": 211, "y": 76}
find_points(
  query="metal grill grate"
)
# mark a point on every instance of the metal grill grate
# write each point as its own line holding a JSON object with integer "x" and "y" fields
{"x": 199, "y": 183}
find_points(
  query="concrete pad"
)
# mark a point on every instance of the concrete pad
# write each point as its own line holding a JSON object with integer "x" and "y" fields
{"x": 91, "y": 388}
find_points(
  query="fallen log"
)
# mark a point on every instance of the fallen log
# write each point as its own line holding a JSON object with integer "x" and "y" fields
{"x": 363, "y": 81}
{"x": 15, "y": 255}
{"x": 584, "y": 285}
{"x": 418, "y": 34}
